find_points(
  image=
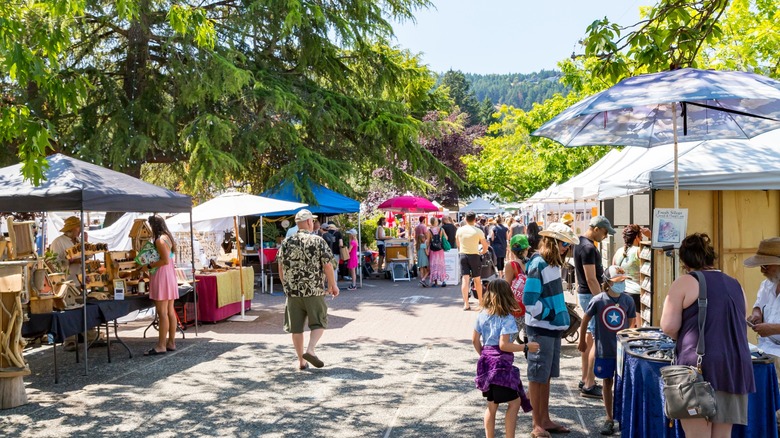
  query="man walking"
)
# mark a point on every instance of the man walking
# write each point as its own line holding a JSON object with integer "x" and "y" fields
{"x": 305, "y": 263}
{"x": 469, "y": 237}
{"x": 587, "y": 263}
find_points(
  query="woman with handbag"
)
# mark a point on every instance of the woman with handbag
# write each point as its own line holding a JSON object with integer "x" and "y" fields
{"x": 726, "y": 365}
{"x": 438, "y": 270}
{"x": 163, "y": 289}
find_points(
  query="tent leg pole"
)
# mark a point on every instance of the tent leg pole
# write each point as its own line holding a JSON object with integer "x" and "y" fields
{"x": 262, "y": 259}
{"x": 360, "y": 250}
{"x": 194, "y": 283}
{"x": 84, "y": 295}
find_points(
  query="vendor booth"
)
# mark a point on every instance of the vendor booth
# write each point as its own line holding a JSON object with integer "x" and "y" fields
{"x": 639, "y": 399}
{"x": 74, "y": 185}
{"x": 228, "y": 288}
{"x": 325, "y": 202}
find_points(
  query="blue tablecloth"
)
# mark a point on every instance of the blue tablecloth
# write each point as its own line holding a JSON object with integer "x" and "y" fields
{"x": 639, "y": 403}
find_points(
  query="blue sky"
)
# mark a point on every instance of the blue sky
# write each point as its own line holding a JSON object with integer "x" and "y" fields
{"x": 507, "y": 36}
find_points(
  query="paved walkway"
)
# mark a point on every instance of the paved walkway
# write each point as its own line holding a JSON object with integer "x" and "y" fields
{"x": 399, "y": 363}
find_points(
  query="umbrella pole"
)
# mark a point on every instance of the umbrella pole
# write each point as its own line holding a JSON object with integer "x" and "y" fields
{"x": 676, "y": 185}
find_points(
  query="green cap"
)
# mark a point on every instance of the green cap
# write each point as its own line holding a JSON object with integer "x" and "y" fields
{"x": 518, "y": 242}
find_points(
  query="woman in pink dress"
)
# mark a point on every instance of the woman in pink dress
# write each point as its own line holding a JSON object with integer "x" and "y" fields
{"x": 353, "y": 261}
{"x": 436, "y": 258}
{"x": 163, "y": 289}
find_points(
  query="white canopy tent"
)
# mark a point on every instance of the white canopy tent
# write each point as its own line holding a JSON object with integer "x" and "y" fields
{"x": 232, "y": 205}
{"x": 708, "y": 165}
{"x": 481, "y": 205}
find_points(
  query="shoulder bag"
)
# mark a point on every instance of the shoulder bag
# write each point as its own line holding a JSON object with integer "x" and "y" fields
{"x": 445, "y": 243}
{"x": 687, "y": 395}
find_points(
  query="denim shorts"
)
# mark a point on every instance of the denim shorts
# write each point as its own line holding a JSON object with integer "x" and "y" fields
{"x": 584, "y": 302}
{"x": 546, "y": 362}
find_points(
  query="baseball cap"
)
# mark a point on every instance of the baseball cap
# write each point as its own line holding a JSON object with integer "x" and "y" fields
{"x": 303, "y": 215}
{"x": 602, "y": 222}
{"x": 352, "y": 231}
{"x": 519, "y": 242}
{"x": 615, "y": 274}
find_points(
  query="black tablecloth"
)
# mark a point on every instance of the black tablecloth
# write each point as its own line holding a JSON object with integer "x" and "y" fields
{"x": 62, "y": 324}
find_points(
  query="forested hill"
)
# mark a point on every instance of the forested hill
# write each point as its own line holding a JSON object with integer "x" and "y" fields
{"x": 515, "y": 89}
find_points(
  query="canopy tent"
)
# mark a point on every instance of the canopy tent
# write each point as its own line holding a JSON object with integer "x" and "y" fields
{"x": 708, "y": 165}
{"x": 74, "y": 185}
{"x": 481, "y": 205}
{"x": 327, "y": 201}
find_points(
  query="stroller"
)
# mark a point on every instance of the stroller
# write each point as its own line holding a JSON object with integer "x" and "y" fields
{"x": 572, "y": 334}
{"x": 488, "y": 272}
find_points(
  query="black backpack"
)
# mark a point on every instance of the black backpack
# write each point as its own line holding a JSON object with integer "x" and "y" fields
{"x": 436, "y": 242}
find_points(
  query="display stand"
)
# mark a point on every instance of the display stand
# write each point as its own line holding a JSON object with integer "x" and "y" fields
{"x": 646, "y": 283}
{"x": 12, "y": 364}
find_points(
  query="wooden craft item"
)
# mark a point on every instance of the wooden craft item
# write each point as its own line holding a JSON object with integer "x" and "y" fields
{"x": 68, "y": 297}
{"x": 12, "y": 365}
{"x": 22, "y": 239}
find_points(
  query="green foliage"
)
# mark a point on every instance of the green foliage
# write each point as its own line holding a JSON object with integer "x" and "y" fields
{"x": 517, "y": 90}
{"x": 255, "y": 91}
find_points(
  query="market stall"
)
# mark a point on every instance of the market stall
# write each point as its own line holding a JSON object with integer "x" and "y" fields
{"x": 73, "y": 185}
{"x": 639, "y": 401}
{"x": 220, "y": 293}
{"x": 326, "y": 202}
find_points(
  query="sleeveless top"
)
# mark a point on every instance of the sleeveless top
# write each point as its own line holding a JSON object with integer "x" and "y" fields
{"x": 499, "y": 240}
{"x": 727, "y": 364}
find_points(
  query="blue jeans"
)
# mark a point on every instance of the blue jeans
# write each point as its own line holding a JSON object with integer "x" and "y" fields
{"x": 584, "y": 303}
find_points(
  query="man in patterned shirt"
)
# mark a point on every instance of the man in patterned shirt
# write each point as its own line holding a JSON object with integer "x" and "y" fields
{"x": 305, "y": 262}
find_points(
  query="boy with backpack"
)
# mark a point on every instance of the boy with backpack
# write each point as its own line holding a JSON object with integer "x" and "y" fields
{"x": 613, "y": 310}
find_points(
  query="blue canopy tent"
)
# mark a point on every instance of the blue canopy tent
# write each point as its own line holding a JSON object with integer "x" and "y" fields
{"x": 326, "y": 202}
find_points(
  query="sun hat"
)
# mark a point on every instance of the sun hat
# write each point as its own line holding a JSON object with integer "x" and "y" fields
{"x": 768, "y": 253}
{"x": 602, "y": 222}
{"x": 332, "y": 227}
{"x": 71, "y": 223}
{"x": 615, "y": 274}
{"x": 518, "y": 242}
{"x": 567, "y": 218}
{"x": 562, "y": 232}
{"x": 303, "y": 215}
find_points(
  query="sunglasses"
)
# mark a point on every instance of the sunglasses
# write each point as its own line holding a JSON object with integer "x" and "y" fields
{"x": 565, "y": 244}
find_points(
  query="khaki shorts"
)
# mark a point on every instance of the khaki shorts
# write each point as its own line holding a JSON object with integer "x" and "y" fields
{"x": 298, "y": 309}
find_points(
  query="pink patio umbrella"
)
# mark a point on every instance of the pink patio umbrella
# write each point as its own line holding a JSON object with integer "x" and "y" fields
{"x": 408, "y": 204}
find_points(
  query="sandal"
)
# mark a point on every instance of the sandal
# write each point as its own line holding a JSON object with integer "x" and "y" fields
{"x": 153, "y": 352}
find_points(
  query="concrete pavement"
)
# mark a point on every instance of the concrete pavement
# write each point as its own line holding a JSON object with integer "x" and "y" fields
{"x": 398, "y": 363}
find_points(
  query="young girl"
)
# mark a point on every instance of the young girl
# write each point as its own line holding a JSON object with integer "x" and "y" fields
{"x": 497, "y": 377}
{"x": 353, "y": 261}
{"x": 422, "y": 258}
{"x": 518, "y": 246}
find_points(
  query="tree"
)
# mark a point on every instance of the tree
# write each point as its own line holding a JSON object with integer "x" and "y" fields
{"x": 737, "y": 34}
{"x": 221, "y": 91}
{"x": 459, "y": 90}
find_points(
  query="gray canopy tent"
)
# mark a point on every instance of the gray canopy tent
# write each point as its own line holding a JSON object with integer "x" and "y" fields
{"x": 74, "y": 185}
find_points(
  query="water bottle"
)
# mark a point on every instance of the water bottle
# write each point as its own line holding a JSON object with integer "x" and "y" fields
{"x": 50, "y": 338}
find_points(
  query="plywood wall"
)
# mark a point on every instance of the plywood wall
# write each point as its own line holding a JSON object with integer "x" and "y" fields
{"x": 736, "y": 221}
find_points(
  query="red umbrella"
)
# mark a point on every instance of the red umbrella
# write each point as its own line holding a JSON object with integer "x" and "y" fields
{"x": 408, "y": 204}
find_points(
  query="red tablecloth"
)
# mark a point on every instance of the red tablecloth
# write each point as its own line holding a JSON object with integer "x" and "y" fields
{"x": 269, "y": 255}
{"x": 207, "y": 299}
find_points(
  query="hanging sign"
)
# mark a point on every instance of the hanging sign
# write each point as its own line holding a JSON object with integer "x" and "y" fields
{"x": 670, "y": 227}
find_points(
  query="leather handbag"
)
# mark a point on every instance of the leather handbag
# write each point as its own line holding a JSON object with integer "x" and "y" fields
{"x": 686, "y": 394}
{"x": 344, "y": 252}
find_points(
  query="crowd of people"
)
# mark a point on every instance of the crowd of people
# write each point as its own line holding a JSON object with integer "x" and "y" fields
{"x": 524, "y": 309}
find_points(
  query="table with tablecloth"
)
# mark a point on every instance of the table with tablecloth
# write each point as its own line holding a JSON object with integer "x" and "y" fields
{"x": 639, "y": 402}
{"x": 219, "y": 293}
{"x": 61, "y": 325}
